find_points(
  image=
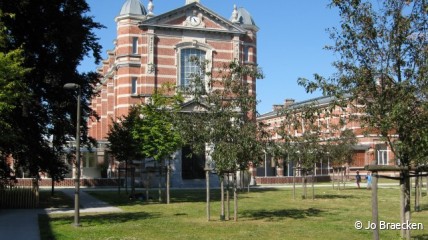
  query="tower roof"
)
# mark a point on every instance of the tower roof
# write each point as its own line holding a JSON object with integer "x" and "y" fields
{"x": 244, "y": 17}
{"x": 133, "y": 7}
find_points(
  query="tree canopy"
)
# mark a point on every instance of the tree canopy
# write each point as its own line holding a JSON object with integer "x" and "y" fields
{"x": 383, "y": 68}
{"x": 54, "y": 37}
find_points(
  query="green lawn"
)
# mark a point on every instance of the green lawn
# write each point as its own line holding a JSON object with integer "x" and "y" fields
{"x": 263, "y": 214}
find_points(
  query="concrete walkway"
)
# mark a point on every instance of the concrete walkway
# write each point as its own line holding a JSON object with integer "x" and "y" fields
{"x": 22, "y": 224}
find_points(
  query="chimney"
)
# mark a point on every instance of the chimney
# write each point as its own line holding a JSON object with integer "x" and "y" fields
{"x": 277, "y": 107}
{"x": 288, "y": 102}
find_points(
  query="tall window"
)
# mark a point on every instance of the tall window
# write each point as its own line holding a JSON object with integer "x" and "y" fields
{"x": 134, "y": 85}
{"x": 190, "y": 67}
{"x": 246, "y": 53}
{"x": 135, "y": 45}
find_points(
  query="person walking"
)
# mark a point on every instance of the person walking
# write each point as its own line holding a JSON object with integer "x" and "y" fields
{"x": 369, "y": 180}
{"x": 358, "y": 179}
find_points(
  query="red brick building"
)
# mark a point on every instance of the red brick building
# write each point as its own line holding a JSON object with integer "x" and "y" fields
{"x": 370, "y": 149}
{"x": 151, "y": 50}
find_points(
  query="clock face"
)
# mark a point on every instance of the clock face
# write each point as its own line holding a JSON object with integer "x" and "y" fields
{"x": 194, "y": 20}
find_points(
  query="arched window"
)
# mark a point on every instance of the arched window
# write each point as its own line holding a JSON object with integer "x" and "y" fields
{"x": 190, "y": 67}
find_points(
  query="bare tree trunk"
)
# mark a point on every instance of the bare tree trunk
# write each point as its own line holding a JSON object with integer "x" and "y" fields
{"x": 207, "y": 176}
{"x": 313, "y": 185}
{"x": 168, "y": 178}
{"x": 222, "y": 217}
{"x": 147, "y": 184}
{"x": 427, "y": 185}
{"x": 333, "y": 179}
{"x": 407, "y": 206}
{"x": 160, "y": 182}
{"x": 417, "y": 192}
{"x": 228, "y": 197}
{"x": 405, "y": 202}
{"x": 126, "y": 176}
{"x": 52, "y": 187}
{"x": 235, "y": 197}
{"x": 294, "y": 184}
{"x": 375, "y": 209}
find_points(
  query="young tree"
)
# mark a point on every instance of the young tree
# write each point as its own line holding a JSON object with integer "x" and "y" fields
{"x": 54, "y": 36}
{"x": 122, "y": 144}
{"x": 383, "y": 66}
{"x": 155, "y": 132}
{"x": 228, "y": 119}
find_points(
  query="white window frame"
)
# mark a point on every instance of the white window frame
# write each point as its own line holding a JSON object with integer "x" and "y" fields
{"x": 382, "y": 157}
{"x": 194, "y": 45}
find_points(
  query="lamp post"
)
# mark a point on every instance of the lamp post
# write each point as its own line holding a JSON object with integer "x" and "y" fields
{"x": 74, "y": 86}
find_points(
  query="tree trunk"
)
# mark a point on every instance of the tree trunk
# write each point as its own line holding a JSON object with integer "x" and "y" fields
{"x": 168, "y": 177}
{"x": 313, "y": 185}
{"x": 304, "y": 180}
{"x": 53, "y": 187}
{"x": 228, "y": 197}
{"x": 427, "y": 185}
{"x": 160, "y": 182}
{"x": 126, "y": 176}
{"x": 405, "y": 202}
{"x": 417, "y": 192}
{"x": 147, "y": 184}
{"x": 207, "y": 176}
{"x": 333, "y": 179}
{"x": 375, "y": 209}
{"x": 294, "y": 184}
{"x": 222, "y": 217}
{"x": 235, "y": 197}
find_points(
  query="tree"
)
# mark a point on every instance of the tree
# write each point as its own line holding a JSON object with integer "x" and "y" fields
{"x": 383, "y": 67}
{"x": 12, "y": 90}
{"x": 123, "y": 146}
{"x": 54, "y": 37}
{"x": 155, "y": 132}
{"x": 227, "y": 120}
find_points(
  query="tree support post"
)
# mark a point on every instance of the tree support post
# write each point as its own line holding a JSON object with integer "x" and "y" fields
{"x": 207, "y": 176}
{"x": 375, "y": 210}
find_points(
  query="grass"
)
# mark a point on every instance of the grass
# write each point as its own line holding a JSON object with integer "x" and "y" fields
{"x": 263, "y": 214}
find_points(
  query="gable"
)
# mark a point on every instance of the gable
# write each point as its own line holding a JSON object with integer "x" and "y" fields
{"x": 193, "y": 16}
{"x": 193, "y": 106}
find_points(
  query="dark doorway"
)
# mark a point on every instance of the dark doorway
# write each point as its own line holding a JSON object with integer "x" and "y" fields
{"x": 192, "y": 167}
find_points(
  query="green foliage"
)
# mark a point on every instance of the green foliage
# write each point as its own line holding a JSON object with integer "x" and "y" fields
{"x": 154, "y": 129}
{"x": 383, "y": 67}
{"x": 225, "y": 120}
{"x": 53, "y": 38}
{"x": 122, "y": 144}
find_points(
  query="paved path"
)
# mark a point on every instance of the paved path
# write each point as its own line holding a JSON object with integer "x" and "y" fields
{"x": 22, "y": 224}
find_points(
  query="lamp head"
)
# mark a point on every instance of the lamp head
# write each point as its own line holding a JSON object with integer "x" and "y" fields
{"x": 71, "y": 86}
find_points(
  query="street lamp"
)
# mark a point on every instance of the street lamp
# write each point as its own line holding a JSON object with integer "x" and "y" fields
{"x": 74, "y": 86}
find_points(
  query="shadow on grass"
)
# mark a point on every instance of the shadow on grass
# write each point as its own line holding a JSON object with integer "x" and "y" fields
{"x": 200, "y": 195}
{"x": 90, "y": 220}
{"x": 333, "y": 196}
{"x": 420, "y": 237}
{"x": 274, "y": 215}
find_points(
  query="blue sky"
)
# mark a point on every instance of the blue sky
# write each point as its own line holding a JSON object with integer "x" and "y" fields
{"x": 290, "y": 41}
